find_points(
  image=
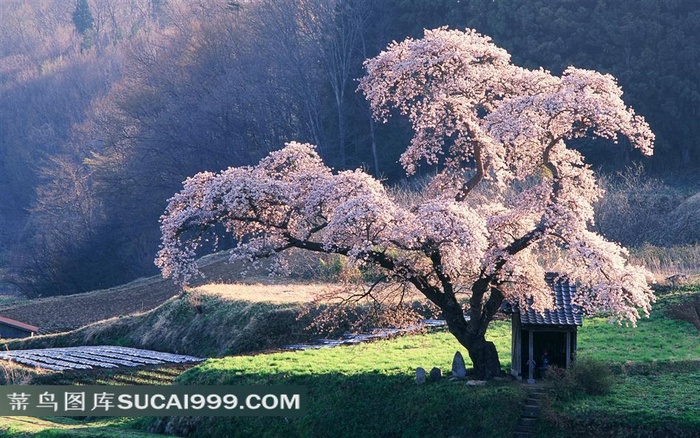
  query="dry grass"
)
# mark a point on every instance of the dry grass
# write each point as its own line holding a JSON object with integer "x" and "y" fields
{"x": 267, "y": 293}
{"x": 65, "y": 313}
{"x": 12, "y": 373}
{"x": 669, "y": 262}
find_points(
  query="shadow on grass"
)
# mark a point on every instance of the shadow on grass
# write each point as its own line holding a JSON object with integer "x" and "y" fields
{"x": 140, "y": 375}
{"x": 59, "y": 427}
{"x": 368, "y": 404}
{"x": 656, "y": 368}
{"x": 658, "y": 399}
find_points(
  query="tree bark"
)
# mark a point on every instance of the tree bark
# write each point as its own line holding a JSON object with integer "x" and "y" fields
{"x": 482, "y": 352}
{"x": 484, "y": 357}
{"x": 471, "y": 333}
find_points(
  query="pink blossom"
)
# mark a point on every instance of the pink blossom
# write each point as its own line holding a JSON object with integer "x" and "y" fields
{"x": 510, "y": 189}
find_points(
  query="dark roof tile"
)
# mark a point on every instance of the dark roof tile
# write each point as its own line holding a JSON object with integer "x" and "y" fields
{"x": 565, "y": 312}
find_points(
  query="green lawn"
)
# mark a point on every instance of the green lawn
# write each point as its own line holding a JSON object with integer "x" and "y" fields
{"x": 656, "y": 370}
{"x": 369, "y": 389}
{"x": 656, "y": 339}
{"x": 397, "y": 357}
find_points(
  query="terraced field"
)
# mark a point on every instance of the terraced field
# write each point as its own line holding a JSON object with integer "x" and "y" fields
{"x": 89, "y": 357}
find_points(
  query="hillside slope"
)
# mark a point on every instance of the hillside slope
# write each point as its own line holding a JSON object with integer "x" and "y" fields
{"x": 65, "y": 313}
{"x": 59, "y": 314}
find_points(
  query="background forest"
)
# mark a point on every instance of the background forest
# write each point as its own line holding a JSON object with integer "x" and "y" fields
{"x": 107, "y": 106}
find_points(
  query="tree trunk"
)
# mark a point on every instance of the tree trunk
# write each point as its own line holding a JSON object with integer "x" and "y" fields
{"x": 482, "y": 353}
{"x": 471, "y": 334}
{"x": 484, "y": 357}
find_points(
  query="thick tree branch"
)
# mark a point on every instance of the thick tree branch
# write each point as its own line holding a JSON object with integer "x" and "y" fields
{"x": 468, "y": 186}
{"x": 419, "y": 281}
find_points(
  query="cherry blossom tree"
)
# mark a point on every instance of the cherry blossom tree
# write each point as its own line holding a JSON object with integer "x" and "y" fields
{"x": 507, "y": 191}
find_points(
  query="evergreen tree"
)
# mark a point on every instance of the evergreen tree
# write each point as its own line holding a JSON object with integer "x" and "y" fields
{"x": 84, "y": 23}
{"x": 82, "y": 17}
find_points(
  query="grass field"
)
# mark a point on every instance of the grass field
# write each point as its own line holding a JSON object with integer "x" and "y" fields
{"x": 363, "y": 390}
{"x": 655, "y": 367}
{"x": 56, "y": 427}
{"x": 368, "y": 389}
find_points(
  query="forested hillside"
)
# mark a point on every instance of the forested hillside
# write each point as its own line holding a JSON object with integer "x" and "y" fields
{"x": 107, "y": 106}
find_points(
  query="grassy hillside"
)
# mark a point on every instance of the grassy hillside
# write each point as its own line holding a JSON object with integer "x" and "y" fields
{"x": 655, "y": 367}
{"x": 199, "y": 323}
{"x": 65, "y": 313}
{"x": 59, "y": 314}
{"x": 368, "y": 390}
{"x": 365, "y": 390}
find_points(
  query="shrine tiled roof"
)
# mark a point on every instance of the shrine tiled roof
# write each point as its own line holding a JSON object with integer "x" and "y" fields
{"x": 564, "y": 313}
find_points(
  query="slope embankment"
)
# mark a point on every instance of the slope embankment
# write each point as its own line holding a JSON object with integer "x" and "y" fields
{"x": 205, "y": 322}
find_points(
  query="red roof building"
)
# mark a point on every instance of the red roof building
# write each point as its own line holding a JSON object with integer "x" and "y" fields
{"x": 10, "y": 328}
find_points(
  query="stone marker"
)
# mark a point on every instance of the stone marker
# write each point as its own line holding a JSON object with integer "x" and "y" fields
{"x": 420, "y": 375}
{"x": 459, "y": 370}
{"x": 435, "y": 374}
{"x": 476, "y": 382}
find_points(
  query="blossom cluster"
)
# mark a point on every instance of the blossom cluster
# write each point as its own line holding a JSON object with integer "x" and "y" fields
{"x": 508, "y": 191}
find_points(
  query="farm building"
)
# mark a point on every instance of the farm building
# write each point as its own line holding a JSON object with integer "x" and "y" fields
{"x": 545, "y": 339}
{"x": 10, "y": 328}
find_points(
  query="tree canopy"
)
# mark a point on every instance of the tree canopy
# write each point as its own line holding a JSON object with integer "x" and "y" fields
{"x": 508, "y": 190}
{"x": 114, "y": 119}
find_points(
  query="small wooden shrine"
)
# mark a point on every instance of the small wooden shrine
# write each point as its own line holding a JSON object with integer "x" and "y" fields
{"x": 541, "y": 340}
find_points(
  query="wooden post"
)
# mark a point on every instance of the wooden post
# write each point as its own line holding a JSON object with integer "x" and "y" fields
{"x": 513, "y": 343}
{"x": 531, "y": 359}
{"x": 568, "y": 349}
{"x": 516, "y": 348}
